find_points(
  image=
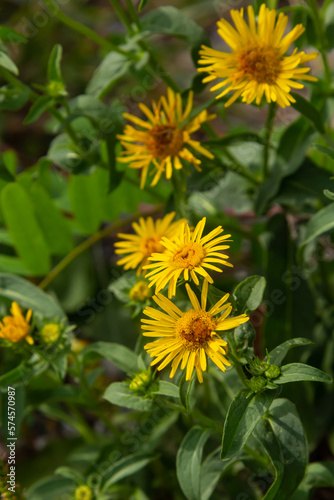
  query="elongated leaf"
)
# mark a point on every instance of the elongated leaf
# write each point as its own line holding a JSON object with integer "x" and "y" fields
{"x": 167, "y": 389}
{"x": 111, "y": 69}
{"x": 235, "y": 138}
{"x": 185, "y": 391}
{"x": 54, "y": 71}
{"x": 13, "y": 98}
{"x": 285, "y": 442}
{"x": 242, "y": 416}
{"x": 320, "y": 223}
{"x": 297, "y": 372}
{"x": 188, "y": 462}
{"x": 70, "y": 474}
{"x": 317, "y": 475}
{"x": 29, "y": 296}
{"x": 248, "y": 294}
{"x": 125, "y": 468}
{"x": 10, "y": 35}
{"x": 121, "y": 356}
{"x": 211, "y": 472}
{"x": 21, "y": 374}
{"x": 37, "y": 109}
{"x": 311, "y": 113}
{"x": 142, "y": 5}
{"x": 7, "y": 63}
{"x": 278, "y": 354}
{"x": 119, "y": 394}
{"x": 326, "y": 150}
{"x": 86, "y": 195}
{"x": 171, "y": 21}
{"x": 56, "y": 228}
{"x": 24, "y": 229}
{"x": 49, "y": 488}
{"x": 13, "y": 265}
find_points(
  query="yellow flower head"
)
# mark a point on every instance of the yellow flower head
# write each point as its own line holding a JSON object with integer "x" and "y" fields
{"x": 83, "y": 493}
{"x": 163, "y": 139}
{"x": 257, "y": 65}
{"x": 190, "y": 254}
{"x": 16, "y": 327}
{"x": 78, "y": 345}
{"x": 187, "y": 337}
{"x": 146, "y": 240}
{"x": 50, "y": 332}
{"x": 140, "y": 292}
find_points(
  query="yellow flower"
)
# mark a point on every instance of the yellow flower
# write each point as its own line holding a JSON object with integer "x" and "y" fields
{"x": 50, "y": 332}
{"x": 257, "y": 65}
{"x": 16, "y": 327}
{"x": 146, "y": 241}
{"x": 140, "y": 291}
{"x": 163, "y": 139}
{"x": 78, "y": 345}
{"x": 83, "y": 493}
{"x": 189, "y": 253}
{"x": 189, "y": 336}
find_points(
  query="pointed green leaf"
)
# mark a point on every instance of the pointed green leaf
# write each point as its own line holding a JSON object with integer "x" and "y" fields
{"x": 119, "y": 394}
{"x": 121, "y": 356}
{"x": 298, "y": 372}
{"x": 54, "y": 71}
{"x": 320, "y": 223}
{"x": 249, "y": 293}
{"x": 7, "y": 63}
{"x": 278, "y": 354}
{"x": 311, "y": 113}
{"x": 124, "y": 468}
{"x": 37, "y": 109}
{"x": 24, "y": 229}
{"x": 242, "y": 416}
{"x": 188, "y": 462}
{"x": 167, "y": 389}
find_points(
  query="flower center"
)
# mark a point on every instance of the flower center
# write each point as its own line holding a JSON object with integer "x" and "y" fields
{"x": 151, "y": 245}
{"x": 194, "y": 328}
{"x": 189, "y": 256}
{"x": 164, "y": 140}
{"x": 140, "y": 292}
{"x": 262, "y": 64}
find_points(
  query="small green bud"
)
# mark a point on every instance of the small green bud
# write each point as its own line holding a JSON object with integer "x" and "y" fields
{"x": 257, "y": 384}
{"x": 141, "y": 381}
{"x": 273, "y": 371}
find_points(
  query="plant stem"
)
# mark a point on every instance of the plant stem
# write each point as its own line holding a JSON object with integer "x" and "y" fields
{"x": 233, "y": 356}
{"x": 179, "y": 182}
{"x": 82, "y": 247}
{"x": 268, "y": 131}
{"x": 239, "y": 168}
{"x": 84, "y": 30}
{"x": 321, "y": 36}
{"x": 121, "y": 15}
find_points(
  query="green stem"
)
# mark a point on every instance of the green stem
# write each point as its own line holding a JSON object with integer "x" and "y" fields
{"x": 268, "y": 132}
{"x": 81, "y": 425}
{"x": 179, "y": 182}
{"x": 84, "y": 30}
{"x": 121, "y": 15}
{"x": 239, "y": 168}
{"x": 322, "y": 37}
{"x": 133, "y": 14}
{"x": 116, "y": 226}
{"x": 233, "y": 356}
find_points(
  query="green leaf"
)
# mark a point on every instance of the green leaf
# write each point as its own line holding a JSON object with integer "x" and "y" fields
{"x": 86, "y": 196}
{"x": 10, "y": 35}
{"x": 64, "y": 153}
{"x": 37, "y": 109}
{"x": 29, "y": 296}
{"x": 317, "y": 475}
{"x": 124, "y": 468}
{"x": 56, "y": 228}
{"x": 291, "y": 152}
{"x": 22, "y": 374}
{"x": 278, "y": 354}
{"x": 54, "y": 71}
{"x": 188, "y": 462}
{"x": 49, "y": 488}
{"x": 121, "y": 356}
{"x": 13, "y": 98}
{"x": 311, "y": 113}
{"x": 13, "y": 265}
{"x": 326, "y": 150}
{"x": 110, "y": 70}
{"x": 167, "y": 389}
{"x": 171, "y": 21}
{"x": 119, "y": 394}
{"x": 329, "y": 194}
{"x": 249, "y": 293}
{"x": 298, "y": 372}
{"x": 285, "y": 443}
{"x": 142, "y": 5}
{"x": 7, "y": 63}
{"x": 320, "y": 223}
{"x": 70, "y": 474}
{"x": 242, "y": 416}
{"x": 24, "y": 229}
{"x": 211, "y": 472}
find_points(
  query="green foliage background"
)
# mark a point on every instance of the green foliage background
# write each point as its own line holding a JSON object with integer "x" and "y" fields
{"x": 67, "y": 73}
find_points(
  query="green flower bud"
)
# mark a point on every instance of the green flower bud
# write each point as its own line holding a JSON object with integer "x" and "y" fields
{"x": 83, "y": 493}
{"x": 257, "y": 384}
{"x": 273, "y": 371}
